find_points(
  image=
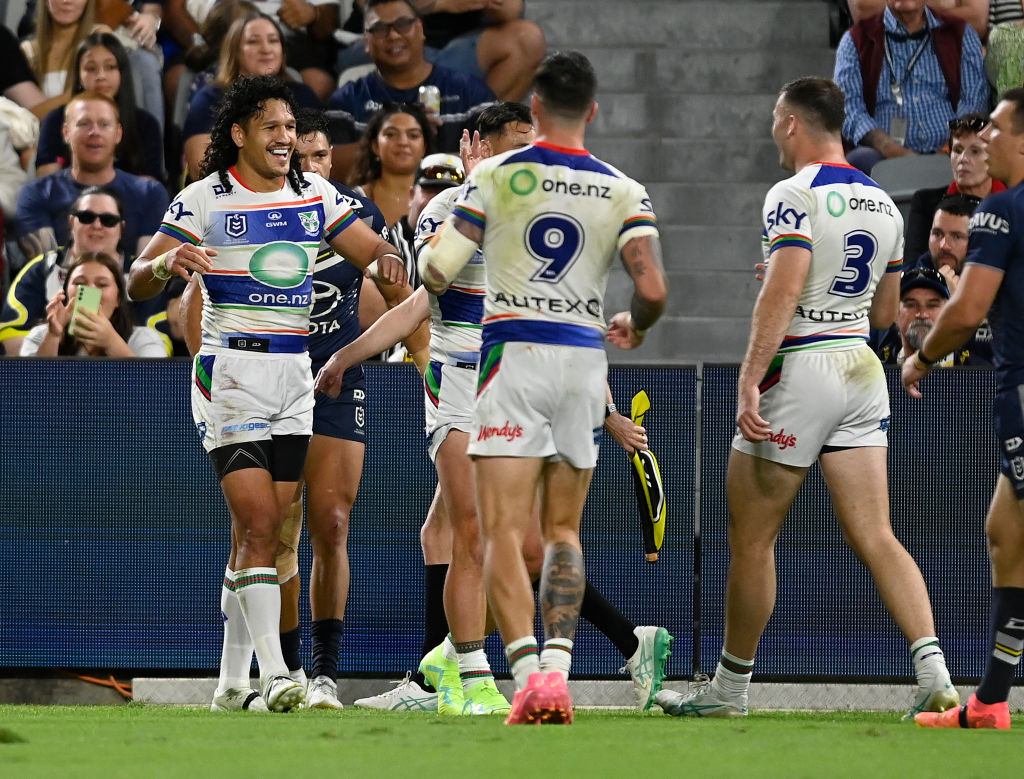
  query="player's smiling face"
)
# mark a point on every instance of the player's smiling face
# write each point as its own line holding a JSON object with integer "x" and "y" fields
{"x": 266, "y": 144}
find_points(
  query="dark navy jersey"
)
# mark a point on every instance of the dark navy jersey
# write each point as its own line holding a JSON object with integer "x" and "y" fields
{"x": 334, "y": 322}
{"x": 997, "y": 241}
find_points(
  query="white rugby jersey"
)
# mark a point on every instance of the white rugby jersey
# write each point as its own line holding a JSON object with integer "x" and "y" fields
{"x": 854, "y": 233}
{"x": 455, "y": 315}
{"x": 260, "y": 292}
{"x": 553, "y": 220}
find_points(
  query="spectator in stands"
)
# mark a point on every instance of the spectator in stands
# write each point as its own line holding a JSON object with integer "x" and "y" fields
{"x": 905, "y": 73}
{"x": 485, "y": 38}
{"x": 396, "y": 139}
{"x": 17, "y": 81}
{"x": 252, "y": 47}
{"x": 95, "y": 224}
{"x": 61, "y": 25}
{"x": 108, "y": 333}
{"x": 947, "y": 238}
{"x": 394, "y": 40}
{"x": 101, "y": 65}
{"x": 975, "y": 12}
{"x": 92, "y": 131}
{"x": 969, "y": 161}
{"x": 923, "y": 294}
{"x": 1004, "y": 54}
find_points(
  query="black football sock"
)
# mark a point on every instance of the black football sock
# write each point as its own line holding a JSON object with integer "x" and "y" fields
{"x": 290, "y": 643}
{"x": 1007, "y": 631}
{"x": 609, "y": 620}
{"x": 326, "y": 640}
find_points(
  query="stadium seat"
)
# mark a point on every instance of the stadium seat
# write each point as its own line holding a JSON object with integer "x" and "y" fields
{"x": 901, "y": 177}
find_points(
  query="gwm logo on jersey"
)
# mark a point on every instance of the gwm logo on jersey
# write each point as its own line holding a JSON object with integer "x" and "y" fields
{"x": 281, "y": 265}
{"x": 235, "y": 225}
{"x": 310, "y": 221}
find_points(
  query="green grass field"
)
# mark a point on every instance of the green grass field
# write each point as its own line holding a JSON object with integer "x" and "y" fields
{"x": 140, "y": 740}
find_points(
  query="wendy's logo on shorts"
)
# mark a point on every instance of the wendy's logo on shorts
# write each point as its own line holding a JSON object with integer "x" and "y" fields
{"x": 506, "y": 431}
{"x": 784, "y": 441}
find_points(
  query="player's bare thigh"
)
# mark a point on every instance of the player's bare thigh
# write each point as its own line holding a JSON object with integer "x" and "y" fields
{"x": 333, "y": 469}
{"x": 1004, "y": 527}
{"x": 760, "y": 493}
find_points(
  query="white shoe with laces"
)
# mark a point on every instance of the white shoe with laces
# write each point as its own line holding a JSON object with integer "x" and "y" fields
{"x": 322, "y": 693}
{"x": 647, "y": 665}
{"x": 702, "y": 700}
{"x": 406, "y": 695}
{"x": 282, "y": 693}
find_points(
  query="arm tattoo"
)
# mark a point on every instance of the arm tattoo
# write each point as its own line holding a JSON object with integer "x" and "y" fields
{"x": 561, "y": 590}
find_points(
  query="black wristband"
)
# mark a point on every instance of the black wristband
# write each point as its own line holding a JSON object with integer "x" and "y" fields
{"x": 924, "y": 360}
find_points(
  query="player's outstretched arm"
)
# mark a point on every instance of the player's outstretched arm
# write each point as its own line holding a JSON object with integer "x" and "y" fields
{"x": 394, "y": 326}
{"x": 773, "y": 311}
{"x": 454, "y": 244}
{"x": 642, "y": 259}
{"x": 162, "y": 258}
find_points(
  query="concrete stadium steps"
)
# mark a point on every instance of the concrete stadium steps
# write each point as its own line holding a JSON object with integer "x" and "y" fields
{"x": 686, "y": 89}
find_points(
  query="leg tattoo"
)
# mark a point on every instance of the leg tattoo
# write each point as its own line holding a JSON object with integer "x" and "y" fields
{"x": 561, "y": 590}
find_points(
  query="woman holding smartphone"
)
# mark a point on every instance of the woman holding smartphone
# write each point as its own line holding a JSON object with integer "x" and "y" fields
{"x": 101, "y": 328}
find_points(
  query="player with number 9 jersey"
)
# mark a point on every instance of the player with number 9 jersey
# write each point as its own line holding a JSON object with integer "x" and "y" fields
{"x": 549, "y": 254}
{"x": 854, "y": 232}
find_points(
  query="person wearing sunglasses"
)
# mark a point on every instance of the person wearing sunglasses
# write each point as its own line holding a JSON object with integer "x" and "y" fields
{"x": 95, "y": 225}
{"x": 969, "y": 160}
{"x": 394, "y": 39}
{"x": 905, "y": 73}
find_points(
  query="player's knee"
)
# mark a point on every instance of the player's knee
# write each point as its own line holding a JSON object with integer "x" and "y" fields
{"x": 329, "y": 530}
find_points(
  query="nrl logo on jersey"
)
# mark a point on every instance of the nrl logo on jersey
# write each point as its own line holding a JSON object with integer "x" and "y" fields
{"x": 235, "y": 225}
{"x": 310, "y": 221}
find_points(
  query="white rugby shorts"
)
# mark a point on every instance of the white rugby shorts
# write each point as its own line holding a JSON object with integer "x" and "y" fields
{"x": 454, "y": 409}
{"x": 821, "y": 398}
{"x": 243, "y": 396}
{"x": 541, "y": 400}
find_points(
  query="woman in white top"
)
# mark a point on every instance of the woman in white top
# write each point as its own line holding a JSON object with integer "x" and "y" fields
{"x": 107, "y": 333}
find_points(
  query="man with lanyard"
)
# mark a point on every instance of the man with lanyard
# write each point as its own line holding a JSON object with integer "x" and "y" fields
{"x": 905, "y": 73}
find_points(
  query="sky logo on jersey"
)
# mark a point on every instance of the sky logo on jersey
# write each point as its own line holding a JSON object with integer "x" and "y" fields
{"x": 310, "y": 221}
{"x": 783, "y": 214}
{"x": 236, "y": 225}
{"x": 281, "y": 265}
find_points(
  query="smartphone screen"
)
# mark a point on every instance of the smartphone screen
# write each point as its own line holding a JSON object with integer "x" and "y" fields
{"x": 87, "y": 298}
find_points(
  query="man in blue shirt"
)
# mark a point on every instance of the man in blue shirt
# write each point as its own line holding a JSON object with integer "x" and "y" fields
{"x": 992, "y": 284}
{"x": 905, "y": 73}
{"x": 92, "y": 131}
{"x": 394, "y": 39}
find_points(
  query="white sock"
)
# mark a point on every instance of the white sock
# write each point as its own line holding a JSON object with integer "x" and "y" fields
{"x": 260, "y": 599}
{"x": 448, "y": 648}
{"x": 732, "y": 676}
{"x": 236, "y": 651}
{"x": 473, "y": 669}
{"x": 929, "y": 662}
{"x": 523, "y": 659}
{"x": 556, "y": 656}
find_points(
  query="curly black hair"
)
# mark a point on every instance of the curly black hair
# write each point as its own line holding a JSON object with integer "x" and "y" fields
{"x": 241, "y": 103}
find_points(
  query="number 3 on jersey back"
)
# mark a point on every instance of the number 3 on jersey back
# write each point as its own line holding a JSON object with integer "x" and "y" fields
{"x": 556, "y": 241}
{"x": 861, "y": 248}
